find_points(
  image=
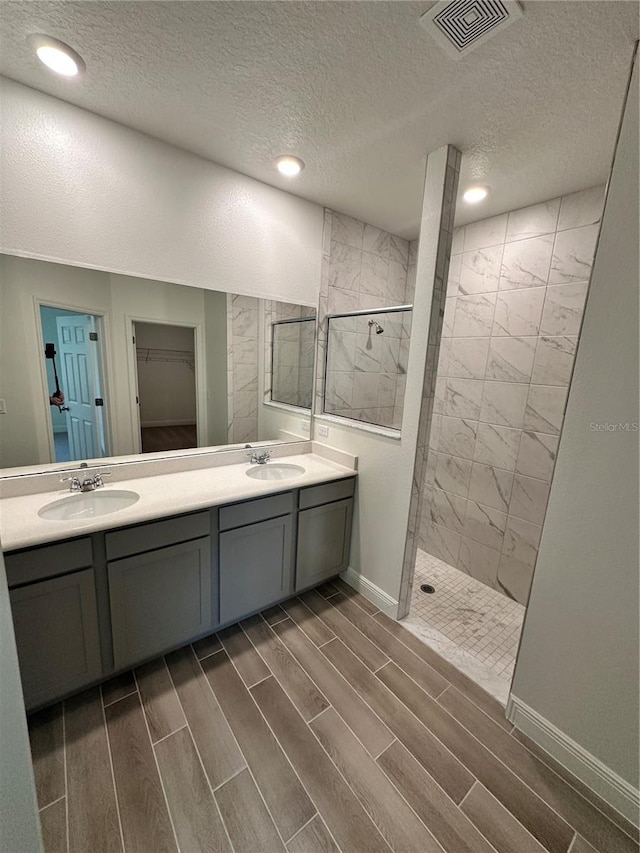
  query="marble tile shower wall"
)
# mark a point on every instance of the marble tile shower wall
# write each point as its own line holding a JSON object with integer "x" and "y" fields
{"x": 515, "y": 297}
{"x": 292, "y": 382}
{"x": 364, "y": 268}
{"x": 242, "y": 368}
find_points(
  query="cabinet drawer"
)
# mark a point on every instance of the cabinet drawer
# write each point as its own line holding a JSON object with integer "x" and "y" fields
{"x": 157, "y": 534}
{"x": 48, "y": 561}
{"x": 248, "y": 512}
{"x": 327, "y": 492}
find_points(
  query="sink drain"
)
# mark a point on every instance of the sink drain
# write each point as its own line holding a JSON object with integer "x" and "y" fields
{"x": 426, "y": 587}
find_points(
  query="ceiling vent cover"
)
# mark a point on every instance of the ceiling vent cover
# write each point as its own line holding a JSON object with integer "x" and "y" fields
{"x": 459, "y": 26}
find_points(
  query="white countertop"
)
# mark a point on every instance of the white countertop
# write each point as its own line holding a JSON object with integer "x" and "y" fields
{"x": 160, "y": 496}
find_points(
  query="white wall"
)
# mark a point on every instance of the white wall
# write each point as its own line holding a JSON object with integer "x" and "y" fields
{"x": 578, "y": 662}
{"x": 83, "y": 190}
{"x": 166, "y": 389}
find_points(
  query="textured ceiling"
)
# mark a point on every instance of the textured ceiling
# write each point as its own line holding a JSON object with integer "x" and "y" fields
{"x": 359, "y": 90}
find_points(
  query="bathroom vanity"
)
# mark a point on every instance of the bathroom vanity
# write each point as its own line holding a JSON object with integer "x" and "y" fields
{"x": 199, "y": 550}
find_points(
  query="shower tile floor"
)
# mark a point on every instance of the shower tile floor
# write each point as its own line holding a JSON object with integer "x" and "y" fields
{"x": 475, "y": 627}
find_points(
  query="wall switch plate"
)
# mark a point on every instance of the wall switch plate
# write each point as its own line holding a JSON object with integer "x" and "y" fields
{"x": 3, "y": 407}
{"x": 323, "y": 429}
{"x": 305, "y": 426}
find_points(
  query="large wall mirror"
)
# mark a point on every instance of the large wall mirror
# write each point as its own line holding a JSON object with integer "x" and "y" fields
{"x": 95, "y": 365}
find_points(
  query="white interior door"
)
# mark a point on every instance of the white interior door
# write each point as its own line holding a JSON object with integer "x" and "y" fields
{"x": 79, "y": 380}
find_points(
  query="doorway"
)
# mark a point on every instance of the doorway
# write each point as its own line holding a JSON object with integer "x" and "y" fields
{"x": 75, "y": 384}
{"x": 166, "y": 386}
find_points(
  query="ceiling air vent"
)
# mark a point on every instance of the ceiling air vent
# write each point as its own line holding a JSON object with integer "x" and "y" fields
{"x": 459, "y": 26}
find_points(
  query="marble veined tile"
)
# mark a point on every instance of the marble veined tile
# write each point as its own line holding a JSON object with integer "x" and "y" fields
{"x": 342, "y": 351}
{"x": 441, "y": 541}
{"x": 518, "y": 312}
{"x": 387, "y": 391}
{"x": 504, "y": 403}
{"x": 341, "y": 301}
{"x": 447, "y": 509}
{"x": 345, "y": 267}
{"x": 457, "y": 436}
{"x": 528, "y": 498}
{"x": 563, "y": 309}
{"x": 457, "y": 242}
{"x": 514, "y": 578}
{"x": 521, "y": 539}
{"x": 537, "y": 455}
{"x": 491, "y": 486}
{"x": 479, "y": 561}
{"x": 545, "y": 408}
{"x": 581, "y": 208}
{"x": 413, "y": 252}
{"x": 390, "y": 355}
{"x": 554, "y": 359}
{"x": 533, "y": 221}
{"x": 453, "y": 474}
{"x": 365, "y": 390}
{"x": 487, "y": 232}
{"x": 399, "y": 250}
{"x": 573, "y": 254}
{"x": 373, "y": 278}
{"x": 396, "y": 283}
{"x": 497, "y": 446}
{"x": 455, "y": 265}
{"x": 511, "y": 358}
{"x": 376, "y": 240}
{"x": 526, "y": 263}
{"x": 467, "y": 357}
{"x": 463, "y": 398}
{"x": 480, "y": 271}
{"x": 484, "y": 524}
{"x": 339, "y": 390}
{"x": 474, "y": 315}
{"x": 449, "y": 316}
{"x": 347, "y": 230}
{"x": 368, "y": 353}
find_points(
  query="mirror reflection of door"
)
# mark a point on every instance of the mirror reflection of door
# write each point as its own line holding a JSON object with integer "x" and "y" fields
{"x": 78, "y": 424}
{"x": 166, "y": 373}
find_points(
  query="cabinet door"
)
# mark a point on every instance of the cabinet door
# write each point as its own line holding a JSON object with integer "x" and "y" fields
{"x": 56, "y": 626}
{"x": 159, "y": 600}
{"x": 255, "y": 567}
{"x": 324, "y": 539}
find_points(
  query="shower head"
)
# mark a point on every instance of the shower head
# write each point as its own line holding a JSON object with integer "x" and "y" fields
{"x": 379, "y": 329}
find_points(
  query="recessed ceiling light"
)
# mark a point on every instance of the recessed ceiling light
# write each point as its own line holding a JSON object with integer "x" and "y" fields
{"x": 56, "y": 55}
{"x": 475, "y": 194}
{"x": 289, "y": 165}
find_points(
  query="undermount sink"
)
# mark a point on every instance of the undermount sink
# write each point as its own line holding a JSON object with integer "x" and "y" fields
{"x": 275, "y": 471}
{"x": 88, "y": 505}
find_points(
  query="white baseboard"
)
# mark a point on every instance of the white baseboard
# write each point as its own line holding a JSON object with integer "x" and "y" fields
{"x": 372, "y": 592}
{"x": 613, "y": 789}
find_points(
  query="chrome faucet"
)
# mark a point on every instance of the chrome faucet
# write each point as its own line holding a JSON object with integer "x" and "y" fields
{"x": 89, "y": 484}
{"x": 259, "y": 458}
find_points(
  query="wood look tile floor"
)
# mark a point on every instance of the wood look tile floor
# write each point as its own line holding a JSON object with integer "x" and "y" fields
{"x": 319, "y": 725}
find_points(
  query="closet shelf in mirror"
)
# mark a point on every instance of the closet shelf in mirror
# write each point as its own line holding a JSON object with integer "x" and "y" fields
{"x": 176, "y": 356}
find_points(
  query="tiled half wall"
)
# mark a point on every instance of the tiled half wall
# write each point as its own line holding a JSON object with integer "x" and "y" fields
{"x": 515, "y": 296}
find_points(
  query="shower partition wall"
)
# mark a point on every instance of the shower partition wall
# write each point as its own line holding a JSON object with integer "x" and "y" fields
{"x": 366, "y": 365}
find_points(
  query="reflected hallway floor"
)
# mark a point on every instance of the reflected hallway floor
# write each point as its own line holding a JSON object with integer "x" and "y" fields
{"x": 473, "y": 626}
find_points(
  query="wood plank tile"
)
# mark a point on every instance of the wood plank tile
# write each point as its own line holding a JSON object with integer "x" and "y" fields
{"x": 195, "y": 816}
{"x": 143, "y": 810}
{"x": 273, "y": 615}
{"x": 93, "y": 815}
{"x": 314, "y": 838}
{"x": 159, "y": 699}
{"x": 448, "y": 824}
{"x": 353, "y": 594}
{"x": 295, "y": 682}
{"x": 372, "y": 732}
{"x": 246, "y": 817}
{"x": 218, "y": 750}
{"x": 53, "y": 820}
{"x": 246, "y": 659}
{"x": 422, "y": 673}
{"x": 582, "y": 846}
{"x": 369, "y": 654}
{"x": 207, "y": 646}
{"x": 316, "y": 630}
{"x": 445, "y": 768}
{"x": 286, "y": 799}
{"x": 327, "y": 589}
{"x": 562, "y": 798}
{"x": 550, "y": 830}
{"x": 387, "y": 809}
{"x": 340, "y": 808}
{"x": 118, "y": 687}
{"x": 47, "y": 753}
{"x": 447, "y": 670}
{"x": 497, "y": 824}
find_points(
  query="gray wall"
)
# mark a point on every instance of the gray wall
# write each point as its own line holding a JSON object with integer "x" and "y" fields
{"x": 578, "y": 663}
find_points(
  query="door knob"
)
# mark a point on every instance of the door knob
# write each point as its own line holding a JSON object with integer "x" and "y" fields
{"x": 64, "y": 408}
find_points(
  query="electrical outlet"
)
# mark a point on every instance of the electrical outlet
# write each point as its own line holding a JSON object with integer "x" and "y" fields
{"x": 305, "y": 426}
{"x": 323, "y": 429}
{"x": 3, "y": 407}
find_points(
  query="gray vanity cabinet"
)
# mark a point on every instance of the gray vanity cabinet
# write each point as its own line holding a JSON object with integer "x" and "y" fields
{"x": 56, "y": 627}
{"x": 256, "y": 560}
{"x": 159, "y": 600}
{"x": 324, "y": 537}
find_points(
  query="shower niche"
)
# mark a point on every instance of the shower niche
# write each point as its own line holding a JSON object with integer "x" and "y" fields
{"x": 366, "y": 365}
